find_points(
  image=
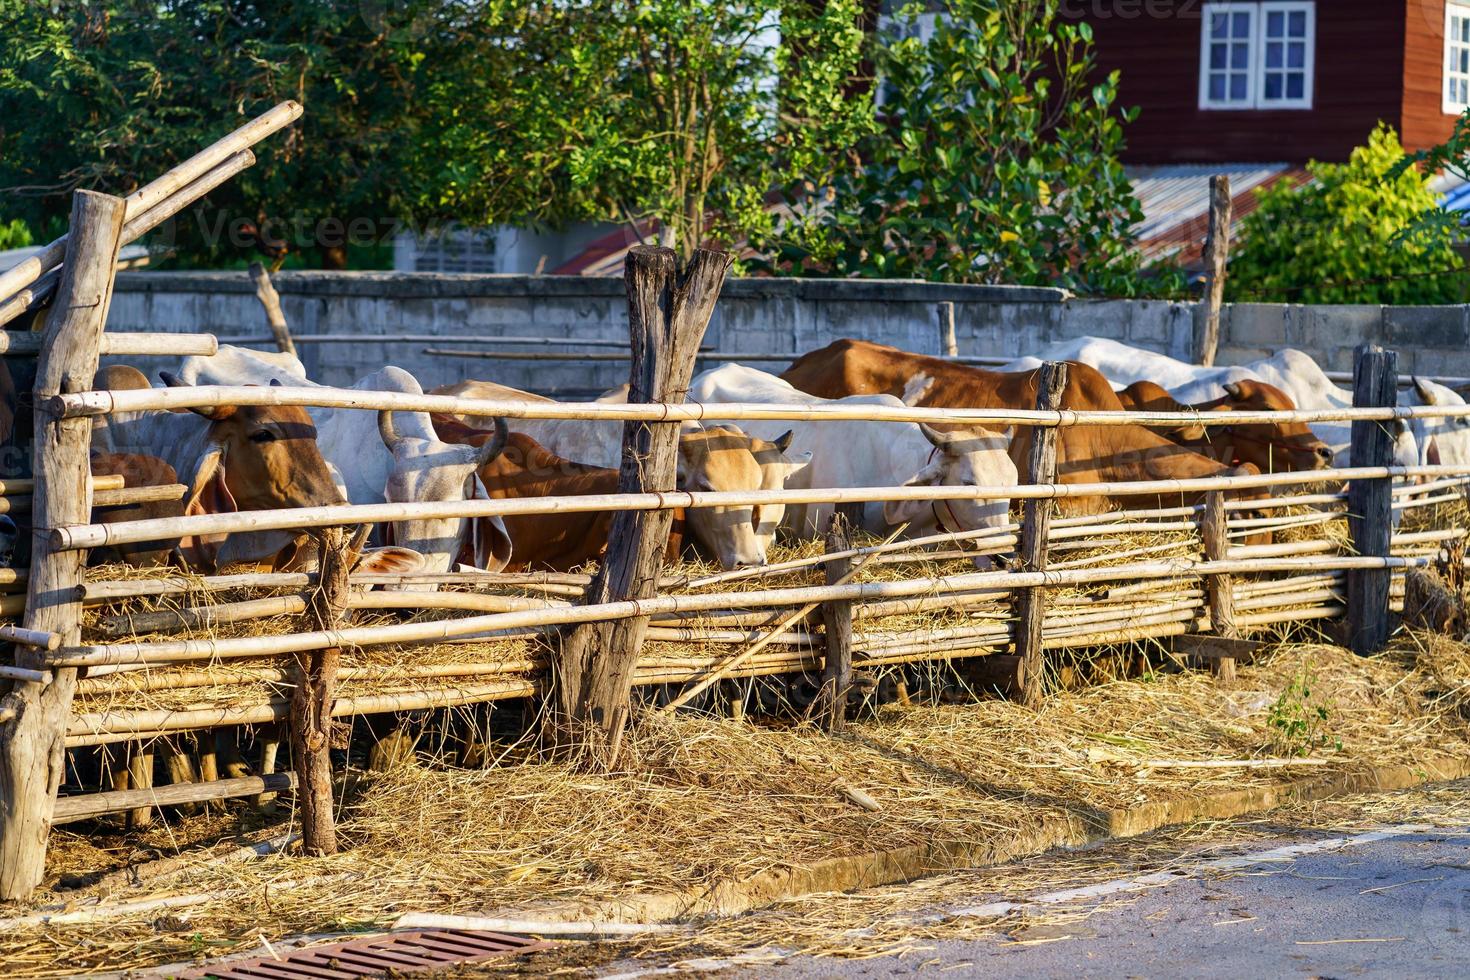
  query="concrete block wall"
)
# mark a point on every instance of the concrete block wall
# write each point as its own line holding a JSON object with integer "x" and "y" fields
{"x": 754, "y": 316}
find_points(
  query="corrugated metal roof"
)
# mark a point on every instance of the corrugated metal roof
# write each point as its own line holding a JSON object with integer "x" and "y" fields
{"x": 1176, "y": 202}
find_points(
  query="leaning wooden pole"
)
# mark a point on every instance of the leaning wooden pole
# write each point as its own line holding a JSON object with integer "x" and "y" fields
{"x": 1370, "y": 502}
{"x": 32, "y": 744}
{"x": 312, "y": 701}
{"x": 1041, "y": 468}
{"x": 270, "y": 301}
{"x": 668, "y": 311}
{"x": 1217, "y": 256}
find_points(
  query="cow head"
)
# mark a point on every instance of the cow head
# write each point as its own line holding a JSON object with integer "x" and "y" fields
{"x": 720, "y": 458}
{"x": 778, "y": 465}
{"x": 1442, "y": 441}
{"x": 262, "y": 457}
{"x": 963, "y": 457}
{"x": 1272, "y": 447}
{"x": 427, "y": 470}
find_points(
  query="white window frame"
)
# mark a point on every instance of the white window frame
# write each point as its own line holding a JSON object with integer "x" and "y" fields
{"x": 1452, "y": 106}
{"x": 1255, "y": 99}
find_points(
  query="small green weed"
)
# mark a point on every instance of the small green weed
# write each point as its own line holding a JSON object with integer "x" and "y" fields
{"x": 1299, "y": 725}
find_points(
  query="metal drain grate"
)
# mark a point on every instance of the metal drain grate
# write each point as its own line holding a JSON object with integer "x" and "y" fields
{"x": 399, "y": 952}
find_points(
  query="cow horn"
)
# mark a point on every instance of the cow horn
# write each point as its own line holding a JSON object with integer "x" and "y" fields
{"x": 173, "y": 380}
{"x": 938, "y": 438}
{"x": 1424, "y": 390}
{"x": 385, "y": 428}
{"x": 496, "y": 446}
{"x": 783, "y": 442}
{"x": 276, "y": 383}
{"x": 215, "y": 413}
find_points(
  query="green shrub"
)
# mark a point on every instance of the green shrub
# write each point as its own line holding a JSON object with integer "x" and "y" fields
{"x": 1355, "y": 233}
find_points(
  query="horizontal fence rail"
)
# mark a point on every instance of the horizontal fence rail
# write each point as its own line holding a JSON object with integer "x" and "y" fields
{"x": 175, "y": 651}
{"x": 93, "y": 403}
{"x": 72, "y": 537}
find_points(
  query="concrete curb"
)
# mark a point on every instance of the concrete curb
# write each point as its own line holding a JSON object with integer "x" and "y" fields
{"x": 1052, "y": 831}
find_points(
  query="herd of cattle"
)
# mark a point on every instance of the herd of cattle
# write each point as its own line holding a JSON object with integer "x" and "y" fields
{"x": 256, "y": 458}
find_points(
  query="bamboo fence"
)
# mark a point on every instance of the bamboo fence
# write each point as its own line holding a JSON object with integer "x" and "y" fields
{"x": 1140, "y": 574}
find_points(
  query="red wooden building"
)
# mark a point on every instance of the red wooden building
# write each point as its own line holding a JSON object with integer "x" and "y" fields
{"x": 1281, "y": 81}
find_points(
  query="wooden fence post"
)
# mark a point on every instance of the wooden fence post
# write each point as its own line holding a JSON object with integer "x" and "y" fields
{"x": 949, "y": 344}
{"x": 831, "y": 710}
{"x": 1051, "y": 382}
{"x": 32, "y": 743}
{"x": 311, "y": 701}
{"x": 668, "y": 312}
{"x": 1217, "y": 254}
{"x": 275, "y": 317}
{"x": 1370, "y": 502}
{"x": 1214, "y": 529}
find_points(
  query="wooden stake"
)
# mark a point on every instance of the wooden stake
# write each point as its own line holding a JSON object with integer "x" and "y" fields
{"x": 311, "y": 703}
{"x": 1214, "y": 532}
{"x": 668, "y": 312}
{"x": 949, "y": 345}
{"x": 270, "y": 748}
{"x": 830, "y": 707}
{"x": 275, "y": 317}
{"x": 1217, "y": 254}
{"x": 31, "y": 745}
{"x": 140, "y": 777}
{"x": 1051, "y": 382}
{"x": 1370, "y": 502}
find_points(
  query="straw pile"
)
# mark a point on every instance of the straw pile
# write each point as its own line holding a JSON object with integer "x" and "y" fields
{"x": 706, "y": 801}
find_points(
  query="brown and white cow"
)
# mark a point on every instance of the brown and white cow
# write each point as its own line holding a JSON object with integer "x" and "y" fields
{"x": 232, "y": 458}
{"x": 1085, "y": 454}
{"x": 1274, "y": 447}
{"x": 137, "y": 470}
{"x": 714, "y": 458}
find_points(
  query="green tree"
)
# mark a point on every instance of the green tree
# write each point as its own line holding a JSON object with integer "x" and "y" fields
{"x": 1355, "y": 233}
{"x": 682, "y": 114}
{"x": 105, "y": 94}
{"x": 996, "y": 159}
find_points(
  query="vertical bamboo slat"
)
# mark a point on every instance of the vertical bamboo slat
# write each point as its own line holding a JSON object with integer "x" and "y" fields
{"x": 1220, "y": 588}
{"x": 831, "y": 708}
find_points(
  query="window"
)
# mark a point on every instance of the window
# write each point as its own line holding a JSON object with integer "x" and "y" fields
{"x": 455, "y": 250}
{"x": 1257, "y": 55}
{"x": 1457, "y": 58}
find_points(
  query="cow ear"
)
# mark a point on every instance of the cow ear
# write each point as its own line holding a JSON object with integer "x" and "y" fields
{"x": 1426, "y": 391}
{"x": 390, "y": 561}
{"x": 783, "y": 441}
{"x": 1234, "y": 389}
{"x": 797, "y": 463}
{"x": 208, "y": 495}
{"x": 276, "y": 383}
{"x": 896, "y": 512}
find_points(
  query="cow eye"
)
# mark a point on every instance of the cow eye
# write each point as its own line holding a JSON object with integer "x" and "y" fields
{"x": 264, "y": 435}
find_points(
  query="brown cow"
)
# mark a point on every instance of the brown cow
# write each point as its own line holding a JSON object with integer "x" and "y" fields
{"x": 1279, "y": 447}
{"x": 559, "y": 542}
{"x": 232, "y": 458}
{"x": 136, "y": 470}
{"x": 1085, "y": 454}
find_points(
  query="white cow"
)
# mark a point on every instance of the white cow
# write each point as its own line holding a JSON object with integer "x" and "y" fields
{"x": 396, "y": 458}
{"x": 1294, "y": 372}
{"x": 874, "y": 454}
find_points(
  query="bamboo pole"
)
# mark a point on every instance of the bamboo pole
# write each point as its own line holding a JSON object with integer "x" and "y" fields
{"x": 40, "y": 639}
{"x": 312, "y": 697}
{"x": 31, "y": 760}
{"x": 91, "y": 403}
{"x": 155, "y": 192}
{"x": 256, "y": 646}
{"x": 1217, "y": 254}
{"x": 19, "y": 344}
{"x": 127, "y": 532}
{"x": 92, "y": 805}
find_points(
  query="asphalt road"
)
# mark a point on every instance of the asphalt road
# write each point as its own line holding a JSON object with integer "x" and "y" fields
{"x": 1336, "y": 901}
